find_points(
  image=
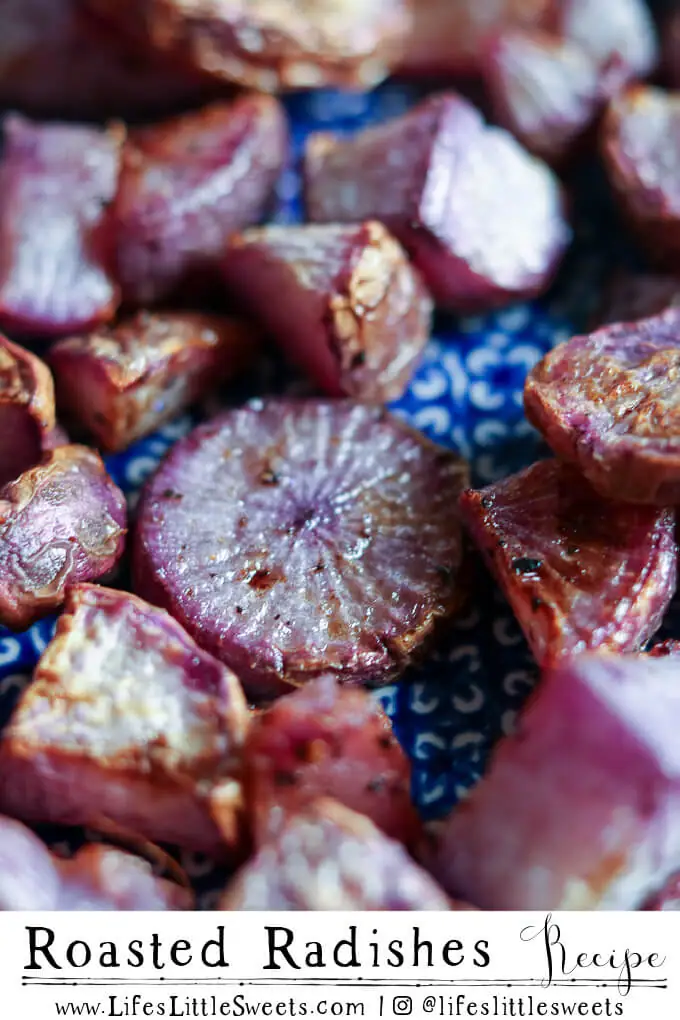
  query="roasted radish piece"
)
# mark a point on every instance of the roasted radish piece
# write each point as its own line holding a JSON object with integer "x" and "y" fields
{"x": 449, "y": 36}
{"x": 667, "y": 898}
{"x": 269, "y": 45}
{"x": 579, "y": 571}
{"x": 297, "y": 538}
{"x": 342, "y": 301}
{"x": 328, "y": 741}
{"x": 27, "y": 424}
{"x": 61, "y": 522}
{"x": 546, "y": 90}
{"x": 580, "y": 810}
{"x": 96, "y": 878}
{"x": 29, "y": 877}
{"x": 329, "y": 858}
{"x": 127, "y": 722}
{"x": 57, "y": 182}
{"x": 665, "y": 648}
{"x": 122, "y": 382}
{"x": 55, "y": 61}
{"x": 612, "y": 31}
{"x": 188, "y": 184}
{"x": 632, "y": 296}
{"x": 608, "y": 402}
{"x": 105, "y": 878}
{"x": 481, "y": 218}
{"x": 641, "y": 148}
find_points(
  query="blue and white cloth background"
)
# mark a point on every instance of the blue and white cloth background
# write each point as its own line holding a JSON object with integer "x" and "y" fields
{"x": 467, "y": 394}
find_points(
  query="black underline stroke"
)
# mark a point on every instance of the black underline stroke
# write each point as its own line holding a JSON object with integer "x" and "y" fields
{"x": 581, "y": 982}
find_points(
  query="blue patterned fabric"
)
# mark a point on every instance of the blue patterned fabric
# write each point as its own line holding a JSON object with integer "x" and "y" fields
{"x": 467, "y": 393}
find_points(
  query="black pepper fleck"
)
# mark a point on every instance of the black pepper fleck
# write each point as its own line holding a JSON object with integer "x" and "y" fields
{"x": 285, "y": 779}
{"x": 526, "y": 565}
